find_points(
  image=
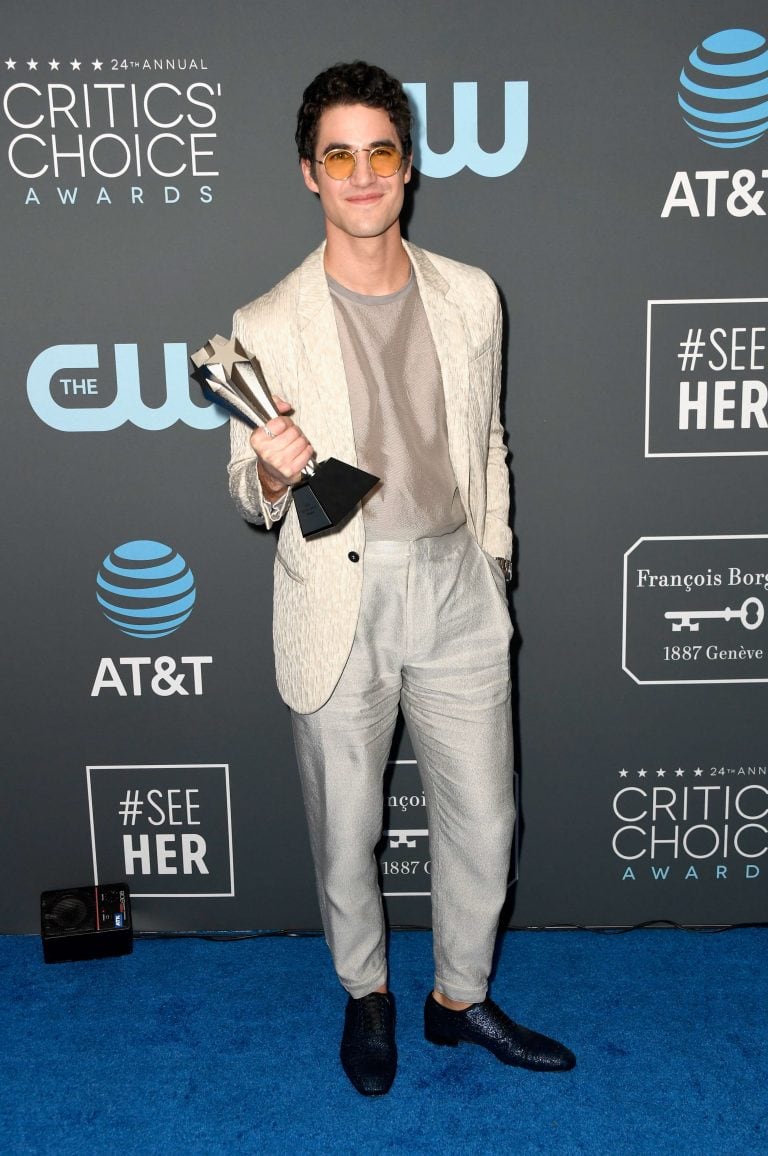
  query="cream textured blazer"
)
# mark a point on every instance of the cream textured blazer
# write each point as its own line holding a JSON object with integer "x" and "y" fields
{"x": 292, "y": 332}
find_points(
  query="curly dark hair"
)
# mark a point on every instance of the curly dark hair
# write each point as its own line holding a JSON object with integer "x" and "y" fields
{"x": 355, "y": 83}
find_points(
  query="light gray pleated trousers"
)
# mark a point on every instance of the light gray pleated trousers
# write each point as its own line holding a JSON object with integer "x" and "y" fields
{"x": 433, "y": 636}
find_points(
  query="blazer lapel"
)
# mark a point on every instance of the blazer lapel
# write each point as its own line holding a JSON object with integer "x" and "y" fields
{"x": 447, "y": 325}
{"x": 325, "y": 400}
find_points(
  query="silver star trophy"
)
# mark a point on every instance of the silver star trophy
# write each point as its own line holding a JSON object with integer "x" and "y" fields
{"x": 331, "y": 489}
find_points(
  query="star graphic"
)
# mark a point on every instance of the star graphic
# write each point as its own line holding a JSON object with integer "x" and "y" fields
{"x": 623, "y": 774}
{"x": 698, "y": 772}
{"x": 96, "y": 65}
{"x": 660, "y": 773}
{"x": 75, "y": 65}
{"x": 679, "y": 772}
{"x": 53, "y": 65}
{"x": 219, "y": 351}
{"x": 10, "y": 64}
{"x": 641, "y": 774}
{"x": 242, "y": 376}
{"x": 32, "y": 65}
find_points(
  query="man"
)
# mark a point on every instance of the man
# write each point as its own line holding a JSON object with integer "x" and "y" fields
{"x": 388, "y": 357}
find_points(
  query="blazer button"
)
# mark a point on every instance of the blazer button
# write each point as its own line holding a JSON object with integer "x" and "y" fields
{"x": 353, "y": 556}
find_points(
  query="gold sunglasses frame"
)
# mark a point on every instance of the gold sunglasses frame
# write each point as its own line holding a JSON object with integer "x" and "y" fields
{"x": 354, "y": 152}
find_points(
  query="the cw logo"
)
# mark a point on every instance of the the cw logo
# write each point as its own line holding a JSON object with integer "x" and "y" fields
{"x": 46, "y": 374}
{"x": 466, "y": 151}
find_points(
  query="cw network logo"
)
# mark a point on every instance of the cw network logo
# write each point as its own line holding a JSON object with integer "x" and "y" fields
{"x": 66, "y": 397}
{"x": 466, "y": 151}
{"x": 722, "y": 92}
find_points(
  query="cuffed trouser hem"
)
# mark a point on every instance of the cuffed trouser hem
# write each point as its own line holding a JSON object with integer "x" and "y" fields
{"x": 358, "y": 990}
{"x": 460, "y": 994}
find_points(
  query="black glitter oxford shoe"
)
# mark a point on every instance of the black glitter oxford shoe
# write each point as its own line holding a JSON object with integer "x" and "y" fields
{"x": 487, "y": 1025}
{"x": 368, "y": 1052}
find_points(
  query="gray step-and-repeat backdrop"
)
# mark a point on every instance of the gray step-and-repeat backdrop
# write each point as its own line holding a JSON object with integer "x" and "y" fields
{"x": 608, "y": 165}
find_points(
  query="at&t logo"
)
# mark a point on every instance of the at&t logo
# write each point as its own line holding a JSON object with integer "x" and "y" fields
{"x": 68, "y": 399}
{"x": 723, "y": 89}
{"x": 466, "y": 151}
{"x": 147, "y": 590}
{"x": 723, "y": 94}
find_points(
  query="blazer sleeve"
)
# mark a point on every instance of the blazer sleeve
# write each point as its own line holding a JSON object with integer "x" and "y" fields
{"x": 244, "y": 483}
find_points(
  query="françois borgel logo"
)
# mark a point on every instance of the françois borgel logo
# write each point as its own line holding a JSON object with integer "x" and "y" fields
{"x": 707, "y": 378}
{"x": 694, "y": 609}
{"x": 405, "y": 867}
{"x": 147, "y": 590}
{"x": 166, "y": 829}
{"x": 723, "y": 95}
{"x": 404, "y": 863}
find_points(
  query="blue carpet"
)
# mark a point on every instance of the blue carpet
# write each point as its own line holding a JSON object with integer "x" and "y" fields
{"x": 198, "y": 1047}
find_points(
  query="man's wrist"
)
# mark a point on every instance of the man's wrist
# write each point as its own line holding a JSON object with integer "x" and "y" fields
{"x": 272, "y": 491}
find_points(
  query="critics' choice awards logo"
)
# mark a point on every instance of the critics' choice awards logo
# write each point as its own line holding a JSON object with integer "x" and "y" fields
{"x": 706, "y": 378}
{"x": 69, "y": 398}
{"x": 166, "y": 829}
{"x": 694, "y": 609}
{"x": 723, "y": 95}
{"x": 147, "y": 590}
{"x": 111, "y": 130}
{"x": 691, "y": 822}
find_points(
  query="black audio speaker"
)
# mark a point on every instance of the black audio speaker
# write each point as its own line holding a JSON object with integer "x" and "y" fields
{"x": 86, "y": 922}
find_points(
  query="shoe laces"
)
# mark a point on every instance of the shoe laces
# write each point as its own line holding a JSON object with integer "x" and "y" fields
{"x": 373, "y": 1013}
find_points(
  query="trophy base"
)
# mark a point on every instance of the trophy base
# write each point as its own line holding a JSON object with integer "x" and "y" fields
{"x": 330, "y": 495}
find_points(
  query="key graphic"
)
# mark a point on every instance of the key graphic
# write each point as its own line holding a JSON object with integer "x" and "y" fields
{"x": 404, "y": 838}
{"x": 689, "y": 619}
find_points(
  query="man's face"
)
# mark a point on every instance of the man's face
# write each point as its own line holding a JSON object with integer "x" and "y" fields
{"x": 364, "y": 205}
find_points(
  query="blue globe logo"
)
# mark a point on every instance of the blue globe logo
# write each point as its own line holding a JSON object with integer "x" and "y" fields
{"x": 146, "y": 589}
{"x": 724, "y": 89}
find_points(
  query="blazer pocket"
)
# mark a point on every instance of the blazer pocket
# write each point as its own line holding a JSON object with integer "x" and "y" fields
{"x": 485, "y": 347}
{"x": 291, "y": 573}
